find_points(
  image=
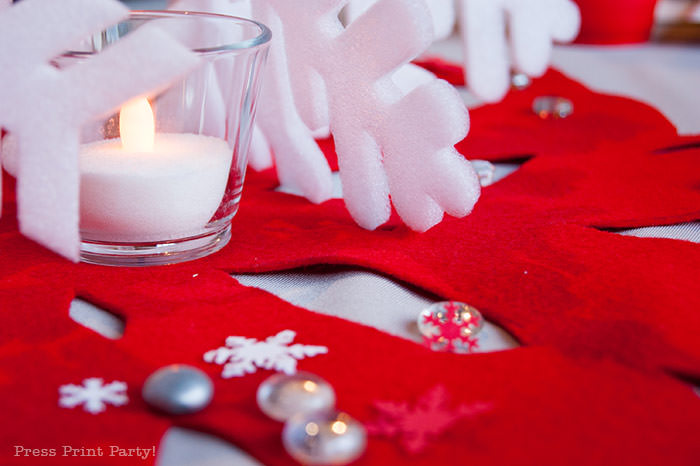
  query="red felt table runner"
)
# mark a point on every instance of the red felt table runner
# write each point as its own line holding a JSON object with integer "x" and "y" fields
{"x": 615, "y": 21}
{"x": 610, "y": 323}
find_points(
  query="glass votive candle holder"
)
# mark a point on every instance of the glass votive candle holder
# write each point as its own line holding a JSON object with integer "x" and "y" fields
{"x": 161, "y": 180}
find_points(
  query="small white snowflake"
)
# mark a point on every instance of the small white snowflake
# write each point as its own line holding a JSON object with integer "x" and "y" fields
{"x": 93, "y": 394}
{"x": 244, "y": 355}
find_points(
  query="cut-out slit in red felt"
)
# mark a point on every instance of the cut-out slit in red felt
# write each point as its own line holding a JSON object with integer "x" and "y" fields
{"x": 97, "y": 319}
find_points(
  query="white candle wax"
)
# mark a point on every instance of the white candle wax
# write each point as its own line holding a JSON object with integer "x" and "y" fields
{"x": 171, "y": 191}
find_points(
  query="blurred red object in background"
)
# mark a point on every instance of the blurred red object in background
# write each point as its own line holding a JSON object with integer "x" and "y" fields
{"x": 615, "y": 21}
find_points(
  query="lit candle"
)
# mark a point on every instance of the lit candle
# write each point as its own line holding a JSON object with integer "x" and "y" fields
{"x": 147, "y": 186}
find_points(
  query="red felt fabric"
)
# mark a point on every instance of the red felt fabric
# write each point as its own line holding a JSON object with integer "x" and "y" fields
{"x": 615, "y": 21}
{"x": 531, "y": 256}
{"x": 609, "y": 321}
{"x": 510, "y": 130}
{"x": 534, "y": 241}
{"x": 545, "y": 408}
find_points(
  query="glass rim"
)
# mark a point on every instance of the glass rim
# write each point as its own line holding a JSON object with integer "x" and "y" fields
{"x": 260, "y": 40}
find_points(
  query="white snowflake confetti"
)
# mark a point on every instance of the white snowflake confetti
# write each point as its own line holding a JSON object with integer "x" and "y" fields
{"x": 244, "y": 355}
{"x": 93, "y": 394}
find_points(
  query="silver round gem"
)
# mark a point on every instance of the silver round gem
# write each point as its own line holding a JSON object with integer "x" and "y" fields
{"x": 282, "y": 396}
{"x": 178, "y": 389}
{"x": 552, "y": 107}
{"x": 324, "y": 437}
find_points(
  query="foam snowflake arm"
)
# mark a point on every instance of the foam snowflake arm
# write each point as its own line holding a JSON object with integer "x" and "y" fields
{"x": 313, "y": 108}
{"x": 442, "y": 12}
{"x": 93, "y": 15}
{"x": 533, "y": 28}
{"x": 310, "y": 96}
{"x": 383, "y": 144}
{"x": 533, "y": 25}
{"x": 166, "y": 58}
{"x": 300, "y": 162}
{"x": 36, "y": 209}
{"x": 485, "y": 48}
{"x": 427, "y": 176}
{"x": 260, "y": 154}
{"x": 365, "y": 184}
{"x": 80, "y": 86}
{"x": 55, "y": 103}
{"x": 374, "y": 35}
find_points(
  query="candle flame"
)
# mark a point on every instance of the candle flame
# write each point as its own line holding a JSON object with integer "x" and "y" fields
{"x": 137, "y": 126}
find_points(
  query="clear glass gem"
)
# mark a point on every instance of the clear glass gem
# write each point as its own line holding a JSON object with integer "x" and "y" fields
{"x": 178, "y": 389}
{"x": 282, "y": 396}
{"x": 324, "y": 437}
{"x": 520, "y": 81}
{"x": 450, "y": 326}
{"x": 552, "y": 107}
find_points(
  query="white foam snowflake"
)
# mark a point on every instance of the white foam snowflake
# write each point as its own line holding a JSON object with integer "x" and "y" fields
{"x": 386, "y": 152}
{"x": 499, "y": 35}
{"x": 243, "y": 355}
{"x": 322, "y": 75}
{"x": 93, "y": 394}
{"x": 442, "y": 11}
{"x": 44, "y": 106}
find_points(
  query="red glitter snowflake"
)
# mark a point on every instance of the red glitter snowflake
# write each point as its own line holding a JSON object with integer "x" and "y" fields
{"x": 454, "y": 326}
{"x": 417, "y": 426}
